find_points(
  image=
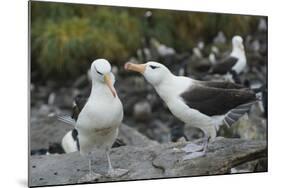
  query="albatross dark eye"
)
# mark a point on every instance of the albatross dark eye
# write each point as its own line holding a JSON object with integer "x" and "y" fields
{"x": 153, "y": 67}
{"x": 98, "y": 71}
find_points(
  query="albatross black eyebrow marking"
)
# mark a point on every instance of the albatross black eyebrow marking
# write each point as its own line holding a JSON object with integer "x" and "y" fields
{"x": 98, "y": 71}
{"x": 154, "y": 67}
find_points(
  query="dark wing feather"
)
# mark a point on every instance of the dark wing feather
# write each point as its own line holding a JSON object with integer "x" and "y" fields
{"x": 222, "y": 85}
{"x": 235, "y": 114}
{"x": 79, "y": 103}
{"x": 74, "y": 135}
{"x": 216, "y": 101}
{"x": 224, "y": 66}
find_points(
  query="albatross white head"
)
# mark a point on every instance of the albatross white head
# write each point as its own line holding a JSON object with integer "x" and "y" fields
{"x": 101, "y": 73}
{"x": 153, "y": 72}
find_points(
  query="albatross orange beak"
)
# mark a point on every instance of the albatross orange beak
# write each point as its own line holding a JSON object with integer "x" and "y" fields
{"x": 135, "y": 67}
{"x": 108, "y": 82}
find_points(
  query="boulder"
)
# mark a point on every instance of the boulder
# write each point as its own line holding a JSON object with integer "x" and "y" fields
{"x": 149, "y": 162}
{"x": 47, "y": 130}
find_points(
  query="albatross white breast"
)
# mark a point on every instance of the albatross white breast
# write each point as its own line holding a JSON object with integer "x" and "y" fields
{"x": 205, "y": 105}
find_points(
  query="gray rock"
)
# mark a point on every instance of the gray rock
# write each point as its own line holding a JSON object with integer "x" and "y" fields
{"x": 64, "y": 97}
{"x": 133, "y": 138}
{"x": 142, "y": 111}
{"x": 46, "y": 130}
{"x": 259, "y": 165}
{"x": 253, "y": 128}
{"x": 158, "y": 161}
{"x": 44, "y": 109}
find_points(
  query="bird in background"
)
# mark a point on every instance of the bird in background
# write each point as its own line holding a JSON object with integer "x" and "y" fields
{"x": 234, "y": 64}
{"x": 203, "y": 104}
{"x": 96, "y": 120}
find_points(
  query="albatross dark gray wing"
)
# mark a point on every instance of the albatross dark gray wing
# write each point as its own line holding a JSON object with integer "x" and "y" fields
{"x": 224, "y": 66}
{"x": 234, "y": 115}
{"x": 74, "y": 135}
{"x": 216, "y": 101}
{"x": 79, "y": 103}
{"x": 222, "y": 85}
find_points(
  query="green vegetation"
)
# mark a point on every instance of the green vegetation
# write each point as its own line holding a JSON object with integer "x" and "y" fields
{"x": 65, "y": 38}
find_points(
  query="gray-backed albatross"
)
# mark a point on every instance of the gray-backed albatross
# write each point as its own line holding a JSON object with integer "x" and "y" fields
{"x": 99, "y": 120}
{"x": 202, "y": 104}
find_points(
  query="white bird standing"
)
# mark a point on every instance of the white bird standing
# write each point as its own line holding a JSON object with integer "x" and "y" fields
{"x": 201, "y": 104}
{"x": 235, "y": 63}
{"x": 98, "y": 122}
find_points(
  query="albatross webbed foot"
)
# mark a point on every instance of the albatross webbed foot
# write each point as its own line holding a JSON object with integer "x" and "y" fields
{"x": 191, "y": 147}
{"x": 193, "y": 151}
{"x": 194, "y": 155}
{"x": 196, "y": 151}
{"x": 113, "y": 173}
{"x": 90, "y": 177}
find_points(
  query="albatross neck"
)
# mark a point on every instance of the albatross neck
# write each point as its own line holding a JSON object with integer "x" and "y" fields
{"x": 172, "y": 86}
{"x": 99, "y": 89}
{"x": 237, "y": 52}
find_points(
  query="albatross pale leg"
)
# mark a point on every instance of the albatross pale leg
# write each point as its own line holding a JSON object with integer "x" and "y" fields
{"x": 110, "y": 168}
{"x": 90, "y": 167}
{"x": 206, "y": 143}
{"x": 114, "y": 172}
{"x": 91, "y": 176}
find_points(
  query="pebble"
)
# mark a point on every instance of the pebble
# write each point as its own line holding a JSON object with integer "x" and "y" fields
{"x": 44, "y": 109}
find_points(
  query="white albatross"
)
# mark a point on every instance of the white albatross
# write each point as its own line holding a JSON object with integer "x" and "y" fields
{"x": 201, "y": 104}
{"x": 98, "y": 121}
{"x": 235, "y": 63}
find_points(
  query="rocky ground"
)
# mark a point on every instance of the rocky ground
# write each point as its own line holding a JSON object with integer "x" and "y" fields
{"x": 151, "y": 162}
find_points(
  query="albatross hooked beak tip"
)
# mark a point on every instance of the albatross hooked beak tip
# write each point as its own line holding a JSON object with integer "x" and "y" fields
{"x": 135, "y": 67}
{"x": 109, "y": 84}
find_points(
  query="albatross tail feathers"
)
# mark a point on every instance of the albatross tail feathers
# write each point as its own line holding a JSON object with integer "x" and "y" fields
{"x": 66, "y": 119}
{"x": 235, "y": 114}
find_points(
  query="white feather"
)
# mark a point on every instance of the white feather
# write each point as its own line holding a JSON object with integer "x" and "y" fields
{"x": 68, "y": 143}
{"x": 66, "y": 119}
